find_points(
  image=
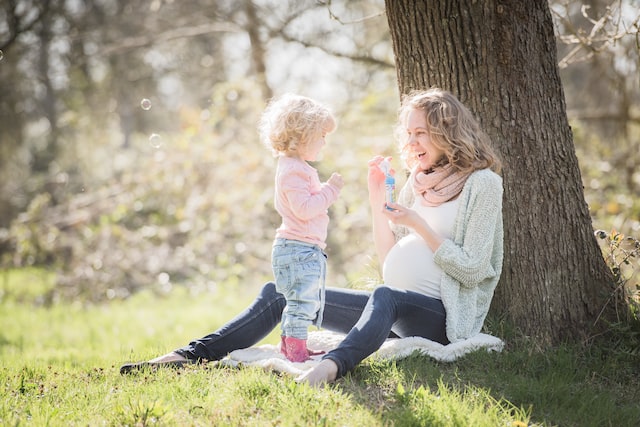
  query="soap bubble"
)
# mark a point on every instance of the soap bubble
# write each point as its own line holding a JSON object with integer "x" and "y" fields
{"x": 145, "y": 104}
{"x": 155, "y": 140}
{"x": 232, "y": 95}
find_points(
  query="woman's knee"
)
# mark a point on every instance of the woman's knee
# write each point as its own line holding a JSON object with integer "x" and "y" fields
{"x": 383, "y": 300}
{"x": 269, "y": 290}
{"x": 383, "y": 292}
{"x": 269, "y": 293}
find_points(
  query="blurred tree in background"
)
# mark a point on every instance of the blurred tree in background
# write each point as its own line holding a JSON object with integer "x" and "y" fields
{"x": 599, "y": 58}
{"x": 129, "y": 156}
{"x": 133, "y": 158}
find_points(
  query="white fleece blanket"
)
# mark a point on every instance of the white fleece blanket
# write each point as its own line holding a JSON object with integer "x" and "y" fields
{"x": 268, "y": 356}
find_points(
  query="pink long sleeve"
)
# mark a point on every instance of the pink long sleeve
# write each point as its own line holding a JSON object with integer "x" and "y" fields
{"x": 302, "y": 202}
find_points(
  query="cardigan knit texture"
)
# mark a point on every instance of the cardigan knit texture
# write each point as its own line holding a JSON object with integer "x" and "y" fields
{"x": 471, "y": 261}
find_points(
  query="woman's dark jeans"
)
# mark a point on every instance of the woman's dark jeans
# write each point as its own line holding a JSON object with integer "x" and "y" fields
{"x": 368, "y": 319}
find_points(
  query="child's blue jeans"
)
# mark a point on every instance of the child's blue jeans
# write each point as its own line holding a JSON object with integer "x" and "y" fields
{"x": 299, "y": 269}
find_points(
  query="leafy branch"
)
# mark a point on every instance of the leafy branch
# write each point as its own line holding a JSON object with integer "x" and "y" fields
{"x": 622, "y": 255}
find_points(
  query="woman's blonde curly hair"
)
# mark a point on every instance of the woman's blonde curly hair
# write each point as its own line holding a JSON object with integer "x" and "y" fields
{"x": 452, "y": 128}
{"x": 291, "y": 121}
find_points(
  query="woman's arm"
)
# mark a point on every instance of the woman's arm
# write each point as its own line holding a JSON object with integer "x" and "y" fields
{"x": 478, "y": 254}
{"x": 383, "y": 237}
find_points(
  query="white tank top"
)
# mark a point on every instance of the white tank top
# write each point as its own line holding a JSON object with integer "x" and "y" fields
{"x": 409, "y": 264}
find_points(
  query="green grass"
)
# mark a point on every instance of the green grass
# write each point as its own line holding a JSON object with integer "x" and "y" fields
{"x": 59, "y": 366}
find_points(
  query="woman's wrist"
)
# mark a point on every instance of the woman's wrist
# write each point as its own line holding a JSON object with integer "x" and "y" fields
{"x": 376, "y": 199}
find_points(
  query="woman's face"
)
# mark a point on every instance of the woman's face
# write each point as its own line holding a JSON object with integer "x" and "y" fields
{"x": 419, "y": 146}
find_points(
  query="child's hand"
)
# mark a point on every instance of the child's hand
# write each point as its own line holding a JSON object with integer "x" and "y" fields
{"x": 336, "y": 180}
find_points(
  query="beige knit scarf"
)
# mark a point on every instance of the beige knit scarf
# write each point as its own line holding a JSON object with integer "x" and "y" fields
{"x": 439, "y": 185}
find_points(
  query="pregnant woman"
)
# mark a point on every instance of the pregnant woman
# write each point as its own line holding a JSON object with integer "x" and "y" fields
{"x": 441, "y": 248}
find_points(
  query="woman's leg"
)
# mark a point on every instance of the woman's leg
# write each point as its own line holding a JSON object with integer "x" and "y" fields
{"x": 246, "y": 329}
{"x": 343, "y": 308}
{"x": 389, "y": 311}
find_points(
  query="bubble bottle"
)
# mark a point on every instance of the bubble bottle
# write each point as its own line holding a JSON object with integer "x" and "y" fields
{"x": 389, "y": 183}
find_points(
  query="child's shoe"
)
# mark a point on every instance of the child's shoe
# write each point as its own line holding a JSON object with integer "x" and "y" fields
{"x": 283, "y": 346}
{"x": 295, "y": 349}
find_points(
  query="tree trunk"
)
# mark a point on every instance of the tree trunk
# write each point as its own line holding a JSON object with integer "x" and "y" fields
{"x": 257, "y": 49}
{"x": 499, "y": 58}
{"x": 43, "y": 156}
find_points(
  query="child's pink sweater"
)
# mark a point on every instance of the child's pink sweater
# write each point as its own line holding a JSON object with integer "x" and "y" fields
{"x": 302, "y": 202}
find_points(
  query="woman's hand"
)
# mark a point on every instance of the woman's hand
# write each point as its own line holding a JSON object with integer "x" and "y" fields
{"x": 400, "y": 215}
{"x": 375, "y": 180}
{"x": 383, "y": 237}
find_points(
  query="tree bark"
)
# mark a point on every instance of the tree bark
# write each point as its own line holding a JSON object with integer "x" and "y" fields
{"x": 257, "y": 49}
{"x": 499, "y": 58}
{"x": 42, "y": 157}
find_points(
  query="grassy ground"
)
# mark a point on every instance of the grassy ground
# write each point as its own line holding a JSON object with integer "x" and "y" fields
{"x": 59, "y": 366}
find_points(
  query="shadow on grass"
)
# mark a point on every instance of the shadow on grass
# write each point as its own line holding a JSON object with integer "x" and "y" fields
{"x": 569, "y": 385}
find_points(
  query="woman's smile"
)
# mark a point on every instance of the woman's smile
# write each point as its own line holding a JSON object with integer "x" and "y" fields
{"x": 419, "y": 141}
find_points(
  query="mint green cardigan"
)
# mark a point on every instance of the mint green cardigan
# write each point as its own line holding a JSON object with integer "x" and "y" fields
{"x": 471, "y": 262}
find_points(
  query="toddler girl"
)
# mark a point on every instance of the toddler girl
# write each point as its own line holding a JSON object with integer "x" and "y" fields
{"x": 294, "y": 128}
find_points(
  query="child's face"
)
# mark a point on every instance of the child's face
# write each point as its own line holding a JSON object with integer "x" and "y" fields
{"x": 310, "y": 151}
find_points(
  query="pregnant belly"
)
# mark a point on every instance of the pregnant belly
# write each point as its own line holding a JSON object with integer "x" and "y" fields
{"x": 409, "y": 265}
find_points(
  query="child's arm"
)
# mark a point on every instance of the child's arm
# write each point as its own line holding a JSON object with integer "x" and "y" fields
{"x": 305, "y": 205}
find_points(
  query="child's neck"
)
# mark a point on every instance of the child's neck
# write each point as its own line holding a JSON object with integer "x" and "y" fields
{"x": 296, "y": 156}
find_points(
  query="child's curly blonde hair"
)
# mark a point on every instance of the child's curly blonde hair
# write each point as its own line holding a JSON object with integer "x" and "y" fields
{"x": 291, "y": 121}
